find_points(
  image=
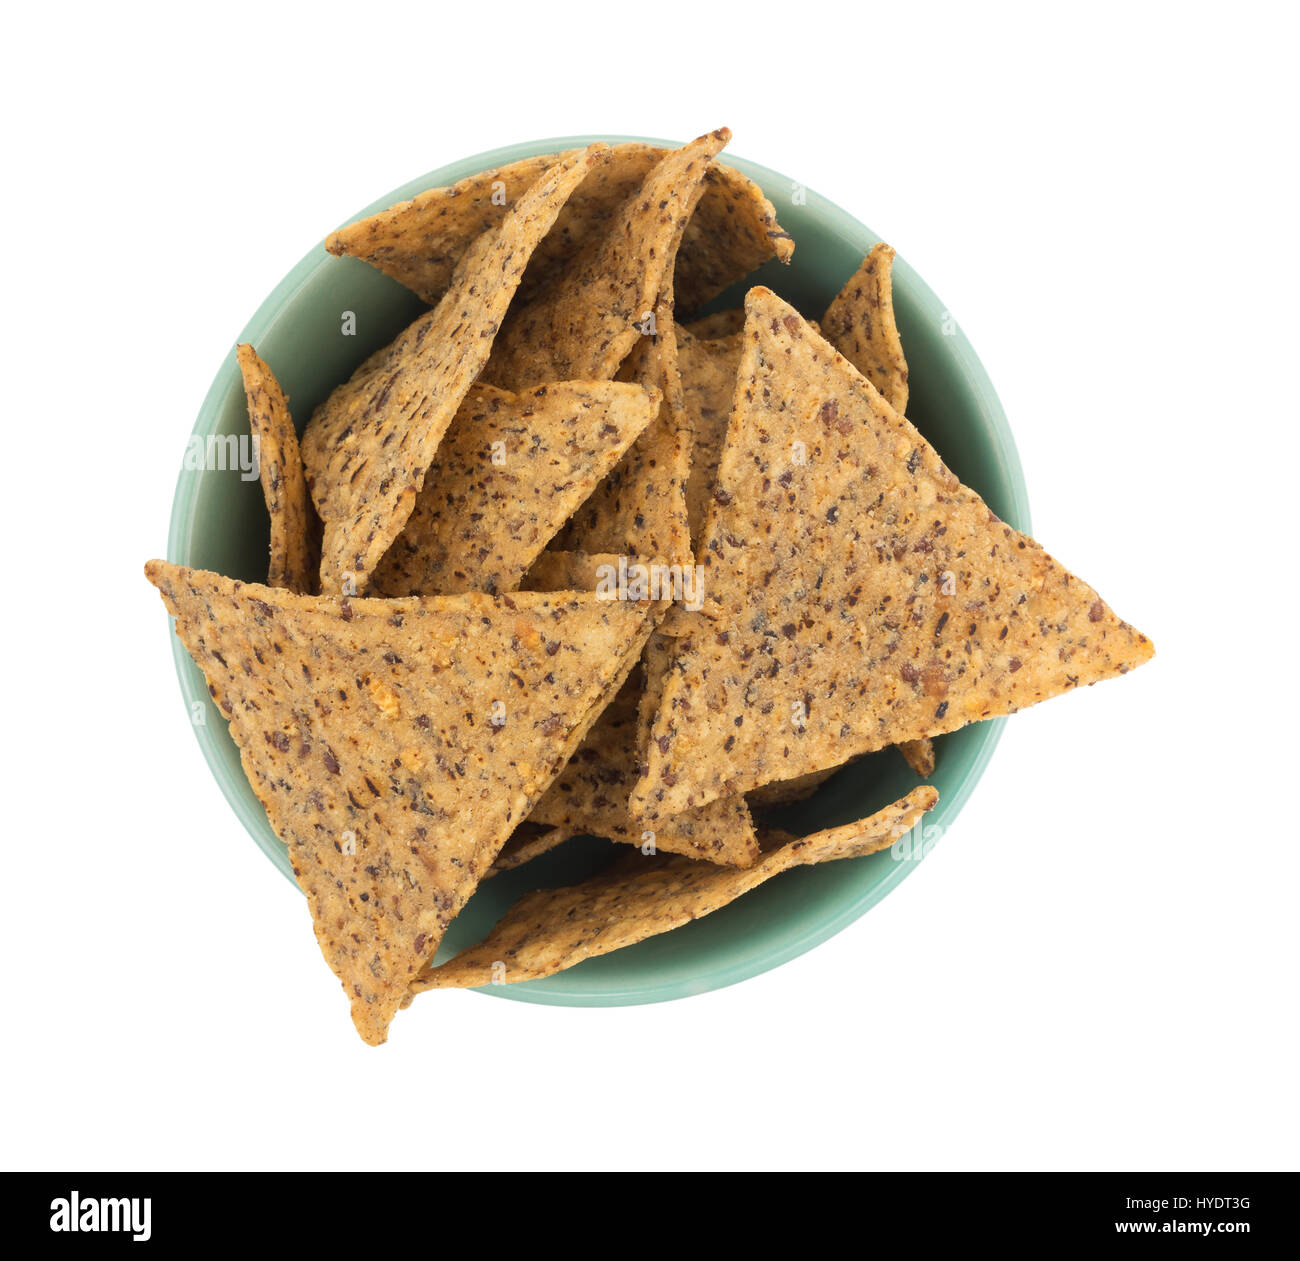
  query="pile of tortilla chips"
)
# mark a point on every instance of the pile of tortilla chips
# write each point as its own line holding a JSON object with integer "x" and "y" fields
{"x": 557, "y": 563}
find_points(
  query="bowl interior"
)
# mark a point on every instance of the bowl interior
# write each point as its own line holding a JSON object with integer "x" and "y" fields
{"x": 219, "y": 522}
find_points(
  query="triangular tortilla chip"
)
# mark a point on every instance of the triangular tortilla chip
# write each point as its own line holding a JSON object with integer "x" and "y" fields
{"x": 708, "y": 373}
{"x": 419, "y": 242}
{"x": 396, "y": 743}
{"x": 871, "y": 597}
{"x": 640, "y": 508}
{"x": 583, "y": 323}
{"x": 859, "y": 323}
{"x": 591, "y": 793}
{"x": 295, "y": 528}
{"x": 369, "y": 445}
{"x": 552, "y": 929}
{"x": 509, "y": 473}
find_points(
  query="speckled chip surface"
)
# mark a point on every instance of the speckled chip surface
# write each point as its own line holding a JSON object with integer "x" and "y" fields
{"x": 509, "y": 473}
{"x": 368, "y": 447}
{"x": 295, "y": 528}
{"x": 859, "y": 323}
{"x": 553, "y": 929}
{"x": 708, "y": 374}
{"x": 591, "y": 795}
{"x": 870, "y": 597}
{"x": 396, "y": 744}
{"x": 639, "y": 509}
{"x": 584, "y": 322}
{"x": 419, "y": 242}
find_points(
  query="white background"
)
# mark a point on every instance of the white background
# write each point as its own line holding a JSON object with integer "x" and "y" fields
{"x": 1096, "y": 969}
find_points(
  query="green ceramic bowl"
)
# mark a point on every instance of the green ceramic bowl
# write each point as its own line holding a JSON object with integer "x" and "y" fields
{"x": 219, "y": 522}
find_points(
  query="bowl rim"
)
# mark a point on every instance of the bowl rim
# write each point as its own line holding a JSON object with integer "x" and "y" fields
{"x": 234, "y": 785}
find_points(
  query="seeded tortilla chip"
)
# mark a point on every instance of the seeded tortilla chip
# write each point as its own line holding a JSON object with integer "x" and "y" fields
{"x": 640, "y": 508}
{"x": 919, "y": 755}
{"x": 295, "y": 528}
{"x": 718, "y": 325}
{"x": 396, "y": 744}
{"x": 419, "y": 242}
{"x": 369, "y": 445}
{"x": 786, "y": 791}
{"x": 528, "y": 841}
{"x": 584, "y": 322}
{"x": 708, "y": 374}
{"x": 552, "y": 929}
{"x": 509, "y": 473}
{"x": 591, "y": 793}
{"x": 872, "y": 598}
{"x": 859, "y": 323}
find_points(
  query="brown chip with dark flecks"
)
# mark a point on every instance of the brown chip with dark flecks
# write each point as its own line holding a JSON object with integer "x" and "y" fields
{"x": 553, "y": 929}
{"x": 708, "y": 374}
{"x": 591, "y": 793}
{"x": 295, "y": 527}
{"x": 872, "y": 598}
{"x": 419, "y": 242}
{"x": 573, "y": 571}
{"x": 718, "y": 325}
{"x": 859, "y": 323}
{"x": 369, "y": 445}
{"x": 396, "y": 744}
{"x": 640, "y": 508}
{"x": 509, "y": 473}
{"x": 786, "y": 791}
{"x": 919, "y": 755}
{"x": 583, "y": 323}
{"x": 527, "y": 841}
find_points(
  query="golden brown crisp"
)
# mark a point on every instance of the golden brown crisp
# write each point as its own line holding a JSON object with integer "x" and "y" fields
{"x": 639, "y": 509}
{"x": 509, "y": 473}
{"x": 591, "y": 793}
{"x": 553, "y": 929}
{"x": 718, "y": 325}
{"x": 419, "y": 242}
{"x": 708, "y": 372}
{"x": 919, "y": 755}
{"x": 295, "y": 527}
{"x": 369, "y": 445}
{"x": 396, "y": 743}
{"x": 871, "y": 598}
{"x": 582, "y": 323}
{"x": 528, "y": 841}
{"x": 784, "y": 792}
{"x": 859, "y": 323}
